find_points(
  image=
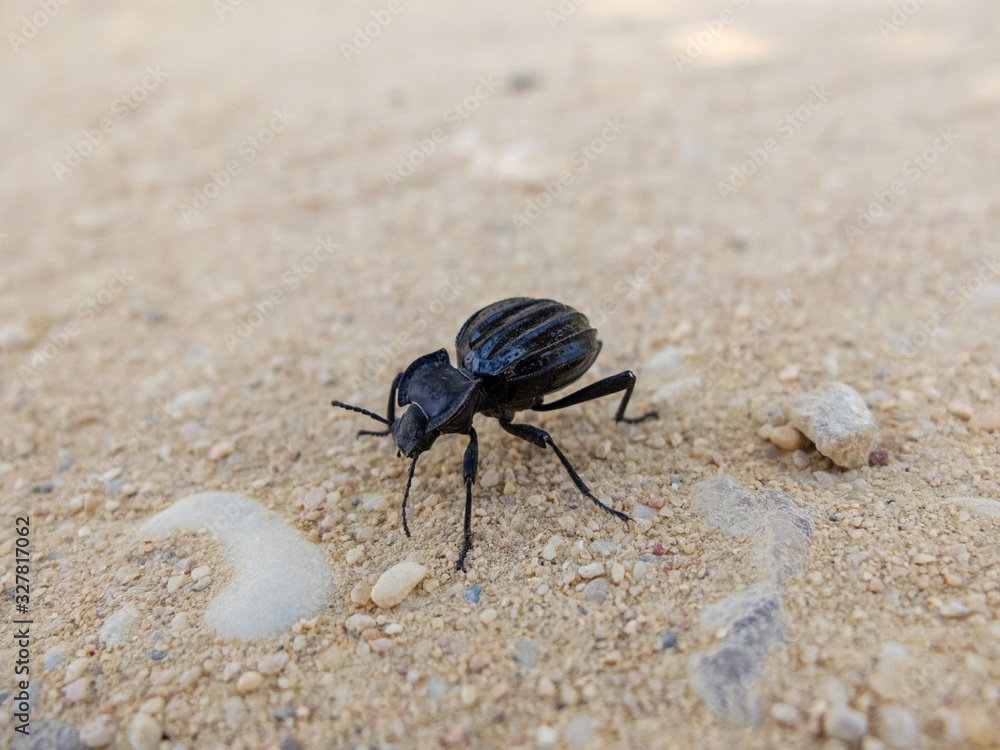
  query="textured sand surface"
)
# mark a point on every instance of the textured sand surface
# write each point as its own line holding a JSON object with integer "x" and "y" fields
{"x": 217, "y": 217}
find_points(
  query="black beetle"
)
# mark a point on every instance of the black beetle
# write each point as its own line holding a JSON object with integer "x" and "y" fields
{"x": 511, "y": 354}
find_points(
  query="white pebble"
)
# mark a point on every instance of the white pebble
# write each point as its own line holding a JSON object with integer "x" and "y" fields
{"x": 221, "y": 449}
{"x": 593, "y": 570}
{"x": 144, "y": 732}
{"x": 98, "y": 732}
{"x": 249, "y": 682}
{"x": 836, "y": 419}
{"x": 844, "y": 723}
{"x": 393, "y": 585}
{"x": 785, "y": 714}
{"x": 356, "y": 624}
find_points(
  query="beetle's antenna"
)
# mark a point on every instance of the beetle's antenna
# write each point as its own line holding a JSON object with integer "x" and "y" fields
{"x": 406, "y": 494}
{"x": 358, "y": 409}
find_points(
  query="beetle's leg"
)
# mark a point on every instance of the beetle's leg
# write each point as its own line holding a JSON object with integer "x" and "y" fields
{"x": 541, "y": 438}
{"x": 470, "y": 465}
{"x": 390, "y": 412}
{"x": 623, "y": 381}
{"x": 406, "y": 494}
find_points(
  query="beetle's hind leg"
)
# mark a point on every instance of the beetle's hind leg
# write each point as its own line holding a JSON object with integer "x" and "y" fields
{"x": 623, "y": 381}
{"x": 538, "y": 436}
{"x": 470, "y": 466}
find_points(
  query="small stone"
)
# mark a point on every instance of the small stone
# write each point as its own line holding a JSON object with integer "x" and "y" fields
{"x": 361, "y": 594}
{"x": 617, "y": 573}
{"x": 354, "y": 554}
{"x": 876, "y": 585}
{"x": 144, "y": 732}
{"x": 593, "y": 570}
{"x": 844, "y": 723}
{"x": 788, "y": 438}
{"x": 659, "y": 550}
{"x": 785, "y": 714}
{"x": 153, "y": 706}
{"x": 954, "y": 610}
{"x": 987, "y": 420}
{"x": 960, "y": 409}
{"x": 836, "y": 419}
{"x": 221, "y": 450}
{"x": 273, "y": 663}
{"x": 393, "y": 585}
{"x": 175, "y": 582}
{"x": 596, "y": 591}
{"x": 789, "y": 372}
{"x": 488, "y": 615}
{"x": 551, "y": 547}
{"x": 897, "y": 727}
{"x": 98, "y": 732}
{"x": 922, "y": 558}
{"x": 381, "y": 645}
{"x": 202, "y": 571}
{"x": 357, "y": 624}
{"x": 77, "y": 669}
{"x": 490, "y": 478}
{"x": 525, "y": 653}
{"x": 471, "y": 594}
{"x": 114, "y": 629}
{"x": 314, "y": 498}
{"x": 190, "y": 676}
{"x": 249, "y": 682}
{"x": 231, "y": 670}
{"x": 235, "y": 712}
{"x": 78, "y": 690}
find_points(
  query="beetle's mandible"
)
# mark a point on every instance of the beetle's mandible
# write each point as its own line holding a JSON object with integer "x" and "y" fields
{"x": 510, "y": 355}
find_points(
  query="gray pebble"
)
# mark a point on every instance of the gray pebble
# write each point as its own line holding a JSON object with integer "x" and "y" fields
{"x": 596, "y": 591}
{"x": 525, "y": 653}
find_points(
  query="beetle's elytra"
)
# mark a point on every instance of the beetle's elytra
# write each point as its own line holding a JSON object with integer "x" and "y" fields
{"x": 510, "y": 355}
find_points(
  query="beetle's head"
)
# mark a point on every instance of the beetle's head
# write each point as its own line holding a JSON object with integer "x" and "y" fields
{"x": 410, "y": 432}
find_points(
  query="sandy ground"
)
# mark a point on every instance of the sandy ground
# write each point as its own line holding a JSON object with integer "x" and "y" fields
{"x": 260, "y": 208}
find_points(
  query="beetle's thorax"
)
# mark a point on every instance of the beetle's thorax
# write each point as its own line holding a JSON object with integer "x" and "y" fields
{"x": 441, "y": 398}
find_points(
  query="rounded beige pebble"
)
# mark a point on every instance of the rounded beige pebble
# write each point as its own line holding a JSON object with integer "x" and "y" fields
{"x": 249, "y": 681}
{"x": 381, "y": 645}
{"x": 98, "y": 732}
{"x": 986, "y": 419}
{"x": 845, "y": 724}
{"x": 78, "y": 690}
{"x": 593, "y": 570}
{"x": 393, "y": 585}
{"x": 357, "y": 624}
{"x": 144, "y": 732}
{"x": 273, "y": 663}
{"x": 788, "y": 438}
{"x": 490, "y": 478}
{"x": 960, "y": 409}
{"x": 202, "y": 571}
{"x": 221, "y": 449}
{"x": 785, "y": 714}
{"x": 488, "y": 616}
{"x": 361, "y": 593}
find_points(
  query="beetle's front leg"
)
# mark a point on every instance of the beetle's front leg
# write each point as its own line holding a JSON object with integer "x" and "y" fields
{"x": 470, "y": 466}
